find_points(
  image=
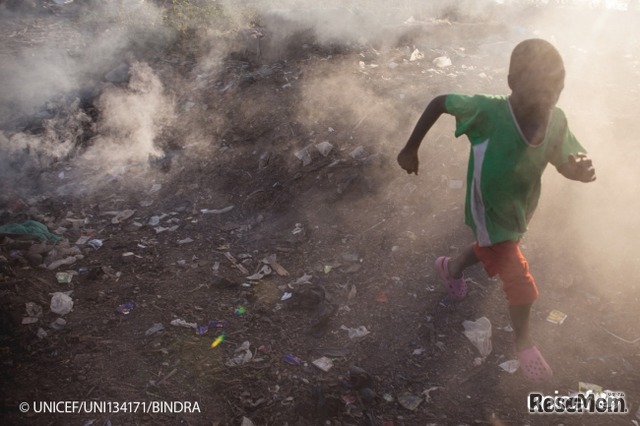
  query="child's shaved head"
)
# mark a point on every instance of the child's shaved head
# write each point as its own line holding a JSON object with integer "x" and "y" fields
{"x": 535, "y": 56}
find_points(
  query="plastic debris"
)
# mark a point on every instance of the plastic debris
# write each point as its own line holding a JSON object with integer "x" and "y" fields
{"x": 33, "y": 309}
{"x": 95, "y": 244}
{"x": 273, "y": 263}
{"x": 291, "y": 359}
{"x": 125, "y": 308}
{"x": 217, "y": 211}
{"x": 120, "y": 216}
{"x": 61, "y": 303}
{"x": 218, "y": 340}
{"x": 58, "y": 324}
{"x": 243, "y": 355}
{"x": 323, "y": 363}
{"x": 416, "y": 55}
{"x": 479, "y": 333}
{"x": 510, "y": 366}
{"x": 155, "y": 328}
{"x": 409, "y": 401}
{"x": 182, "y": 323}
{"x": 442, "y": 62}
{"x": 324, "y": 148}
{"x": 212, "y": 324}
{"x": 355, "y": 332}
{"x": 239, "y": 311}
{"x": 427, "y": 393}
{"x": 64, "y": 277}
{"x": 556, "y": 317}
{"x": 304, "y": 156}
{"x": 584, "y": 387}
{"x": 246, "y": 422}
{"x": 263, "y": 272}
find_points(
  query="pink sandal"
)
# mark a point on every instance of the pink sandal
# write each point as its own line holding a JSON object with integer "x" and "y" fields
{"x": 457, "y": 287}
{"x": 533, "y": 365}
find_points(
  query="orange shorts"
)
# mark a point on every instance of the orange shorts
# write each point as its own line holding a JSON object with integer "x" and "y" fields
{"x": 507, "y": 261}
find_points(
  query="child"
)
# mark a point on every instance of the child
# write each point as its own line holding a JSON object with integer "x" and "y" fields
{"x": 512, "y": 140}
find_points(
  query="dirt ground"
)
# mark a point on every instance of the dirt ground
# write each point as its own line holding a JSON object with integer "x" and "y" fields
{"x": 352, "y": 241}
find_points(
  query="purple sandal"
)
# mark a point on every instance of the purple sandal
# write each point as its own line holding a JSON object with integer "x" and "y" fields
{"x": 457, "y": 287}
{"x": 533, "y": 365}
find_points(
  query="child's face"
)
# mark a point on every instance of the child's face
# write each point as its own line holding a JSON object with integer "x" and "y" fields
{"x": 538, "y": 89}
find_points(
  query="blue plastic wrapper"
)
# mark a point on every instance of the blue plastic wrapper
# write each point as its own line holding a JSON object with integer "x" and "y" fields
{"x": 125, "y": 308}
{"x": 291, "y": 359}
{"x": 212, "y": 324}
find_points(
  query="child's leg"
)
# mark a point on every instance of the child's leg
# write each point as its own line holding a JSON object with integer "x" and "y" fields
{"x": 467, "y": 257}
{"x": 520, "y": 320}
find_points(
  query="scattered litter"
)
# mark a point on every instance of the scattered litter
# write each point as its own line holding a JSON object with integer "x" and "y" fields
{"x": 30, "y": 227}
{"x": 212, "y": 324}
{"x": 82, "y": 240}
{"x": 621, "y": 338}
{"x": 324, "y": 148}
{"x": 246, "y": 422}
{"x": 33, "y": 309}
{"x": 286, "y": 296}
{"x": 304, "y": 156}
{"x": 64, "y": 277}
{"x": 58, "y": 324}
{"x": 154, "y": 221}
{"x": 510, "y": 366}
{"x": 125, "y": 308}
{"x": 427, "y": 393}
{"x": 185, "y": 241}
{"x": 508, "y": 328}
{"x": 416, "y": 55}
{"x": 61, "y": 303}
{"x": 155, "y": 328}
{"x": 243, "y": 355}
{"x": 479, "y": 333}
{"x": 355, "y": 332}
{"x": 182, "y": 323}
{"x": 70, "y": 260}
{"x": 218, "y": 340}
{"x": 239, "y": 311}
{"x": 409, "y": 401}
{"x": 236, "y": 264}
{"x": 263, "y": 272}
{"x": 556, "y": 317}
{"x": 29, "y": 320}
{"x": 41, "y": 333}
{"x": 273, "y": 263}
{"x": 323, "y": 363}
{"x": 418, "y": 351}
{"x": 217, "y": 211}
{"x": 584, "y": 387}
{"x": 95, "y": 244}
{"x": 120, "y": 216}
{"x": 291, "y": 359}
{"x": 357, "y": 153}
{"x": 442, "y": 62}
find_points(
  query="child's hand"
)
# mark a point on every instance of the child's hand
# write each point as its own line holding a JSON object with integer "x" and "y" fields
{"x": 408, "y": 160}
{"x": 579, "y": 168}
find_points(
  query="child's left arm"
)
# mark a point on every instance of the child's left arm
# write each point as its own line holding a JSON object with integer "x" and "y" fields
{"x": 579, "y": 167}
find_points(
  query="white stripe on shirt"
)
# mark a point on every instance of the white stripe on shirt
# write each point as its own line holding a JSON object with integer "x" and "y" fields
{"x": 477, "y": 203}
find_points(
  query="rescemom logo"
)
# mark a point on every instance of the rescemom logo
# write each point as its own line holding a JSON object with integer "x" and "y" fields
{"x": 607, "y": 402}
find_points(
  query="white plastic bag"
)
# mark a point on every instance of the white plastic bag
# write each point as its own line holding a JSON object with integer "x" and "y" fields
{"x": 479, "y": 333}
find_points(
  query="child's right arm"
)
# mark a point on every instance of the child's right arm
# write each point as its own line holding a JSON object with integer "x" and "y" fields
{"x": 408, "y": 157}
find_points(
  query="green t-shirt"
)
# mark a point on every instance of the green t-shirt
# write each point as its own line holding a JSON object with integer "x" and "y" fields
{"x": 504, "y": 172}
